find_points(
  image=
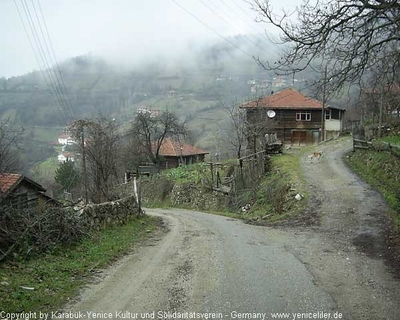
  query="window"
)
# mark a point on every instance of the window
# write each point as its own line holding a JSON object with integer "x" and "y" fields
{"x": 328, "y": 114}
{"x": 303, "y": 116}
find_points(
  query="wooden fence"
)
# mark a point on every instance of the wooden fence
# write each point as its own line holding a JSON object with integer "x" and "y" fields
{"x": 249, "y": 170}
{"x": 361, "y": 144}
{"x": 243, "y": 175}
{"x": 377, "y": 146}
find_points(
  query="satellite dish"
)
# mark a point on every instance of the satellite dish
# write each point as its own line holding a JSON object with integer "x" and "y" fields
{"x": 271, "y": 113}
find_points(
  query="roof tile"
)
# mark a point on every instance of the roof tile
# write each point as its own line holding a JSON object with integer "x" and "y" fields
{"x": 172, "y": 148}
{"x": 286, "y": 99}
{"x": 8, "y": 180}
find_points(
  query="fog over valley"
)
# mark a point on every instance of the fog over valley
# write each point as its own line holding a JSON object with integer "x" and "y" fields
{"x": 69, "y": 60}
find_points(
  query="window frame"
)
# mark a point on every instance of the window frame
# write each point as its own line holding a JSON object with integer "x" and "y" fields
{"x": 328, "y": 114}
{"x": 303, "y": 116}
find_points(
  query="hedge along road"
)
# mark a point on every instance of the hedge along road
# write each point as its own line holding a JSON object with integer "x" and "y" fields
{"x": 221, "y": 267}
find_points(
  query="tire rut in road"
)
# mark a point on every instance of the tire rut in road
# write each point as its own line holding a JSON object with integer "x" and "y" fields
{"x": 178, "y": 292}
{"x": 182, "y": 276}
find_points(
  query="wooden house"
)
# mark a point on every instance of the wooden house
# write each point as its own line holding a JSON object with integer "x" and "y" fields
{"x": 174, "y": 153}
{"x": 21, "y": 192}
{"x": 294, "y": 117}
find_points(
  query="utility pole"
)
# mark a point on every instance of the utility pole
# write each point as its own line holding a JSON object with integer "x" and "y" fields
{"x": 80, "y": 124}
{"x": 84, "y": 164}
{"x": 323, "y": 105}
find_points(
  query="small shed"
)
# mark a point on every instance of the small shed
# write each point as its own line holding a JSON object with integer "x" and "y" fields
{"x": 21, "y": 192}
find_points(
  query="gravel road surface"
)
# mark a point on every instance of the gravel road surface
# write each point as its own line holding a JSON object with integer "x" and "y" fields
{"x": 216, "y": 266}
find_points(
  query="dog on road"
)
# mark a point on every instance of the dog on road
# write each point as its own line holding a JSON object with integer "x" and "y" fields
{"x": 315, "y": 155}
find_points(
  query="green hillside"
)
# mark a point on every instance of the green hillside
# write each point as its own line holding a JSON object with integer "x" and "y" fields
{"x": 197, "y": 88}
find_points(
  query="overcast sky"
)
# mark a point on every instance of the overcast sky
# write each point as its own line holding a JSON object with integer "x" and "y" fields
{"x": 121, "y": 29}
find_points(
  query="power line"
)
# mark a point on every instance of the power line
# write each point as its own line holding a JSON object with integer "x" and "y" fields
{"x": 43, "y": 58}
{"x": 45, "y": 76}
{"x": 42, "y": 54}
{"x": 53, "y": 57}
{"x": 214, "y": 31}
{"x": 236, "y": 13}
{"x": 48, "y": 59}
{"x": 252, "y": 18}
{"x": 50, "y": 64}
{"x": 267, "y": 34}
{"x": 228, "y": 23}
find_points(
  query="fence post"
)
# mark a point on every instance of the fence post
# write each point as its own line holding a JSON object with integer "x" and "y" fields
{"x": 212, "y": 174}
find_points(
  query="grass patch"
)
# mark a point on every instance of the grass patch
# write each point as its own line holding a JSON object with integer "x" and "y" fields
{"x": 392, "y": 139}
{"x": 380, "y": 170}
{"x": 196, "y": 173}
{"x": 58, "y": 276}
{"x": 189, "y": 173}
{"x": 275, "y": 195}
{"x": 45, "y": 134}
{"x": 45, "y": 170}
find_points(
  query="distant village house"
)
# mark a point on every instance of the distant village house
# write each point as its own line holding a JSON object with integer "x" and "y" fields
{"x": 66, "y": 139}
{"x": 172, "y": 93}
{"x": 175, "y": 153}
{"x": 145, "y": 110}
{"x": 66, "y": 156}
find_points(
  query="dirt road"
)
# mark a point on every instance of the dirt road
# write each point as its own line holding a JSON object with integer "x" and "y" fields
{"x": 217, "y": 266}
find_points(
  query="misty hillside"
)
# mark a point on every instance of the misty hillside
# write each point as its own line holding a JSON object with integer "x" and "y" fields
{"x": 96, "y": 86}
{"x": 197, "y": 85}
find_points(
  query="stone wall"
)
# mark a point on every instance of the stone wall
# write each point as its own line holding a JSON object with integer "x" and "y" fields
{"x": 159, "y": 191}
{"x": 190, "y": 195}
{"x": 99, "y": 216}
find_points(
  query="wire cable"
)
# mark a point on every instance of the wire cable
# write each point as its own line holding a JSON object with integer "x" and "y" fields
{"x": 55, "y": 57}
{"x": 229, "y": 24}
{"x": 45, "y": 76}
{"x": 252, "y": 18}
{"x": 43, "y": 56}
{"x": 211, "y": 29}
{"x": 57, "y": 81}
{"x": 271, "y": 45}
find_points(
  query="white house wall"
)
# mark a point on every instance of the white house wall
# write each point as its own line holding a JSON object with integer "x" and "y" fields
{"x": 333, "y": 125}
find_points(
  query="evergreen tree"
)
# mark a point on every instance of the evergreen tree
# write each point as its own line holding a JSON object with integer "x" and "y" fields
{"x": 67, "y": 175}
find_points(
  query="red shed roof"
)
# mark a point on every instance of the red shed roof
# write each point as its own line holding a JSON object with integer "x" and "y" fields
{"x": 286, "y": 99}
{"x": 172, "y": 148}
{"x": 8, "y": 181}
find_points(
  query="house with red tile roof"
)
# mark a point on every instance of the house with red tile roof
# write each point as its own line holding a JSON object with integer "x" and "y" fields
{"x": 66, "y": 139}
{"x": 21, "y": 192}
{"x": 295, "y": 118}
{"x": 174, "y": 153}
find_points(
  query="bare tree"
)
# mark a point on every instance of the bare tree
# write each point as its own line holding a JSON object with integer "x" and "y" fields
{"x": 101, "y": 152}
{"x": 350, "y": 37}
{"x": 237, "y": 130}
{"x": 150, "y": 132}
{"x": 132, "y": 153}
{"x": 10, "y": 136}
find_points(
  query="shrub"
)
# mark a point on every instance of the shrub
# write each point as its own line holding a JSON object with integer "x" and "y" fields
{"x": 27, "y": 232}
